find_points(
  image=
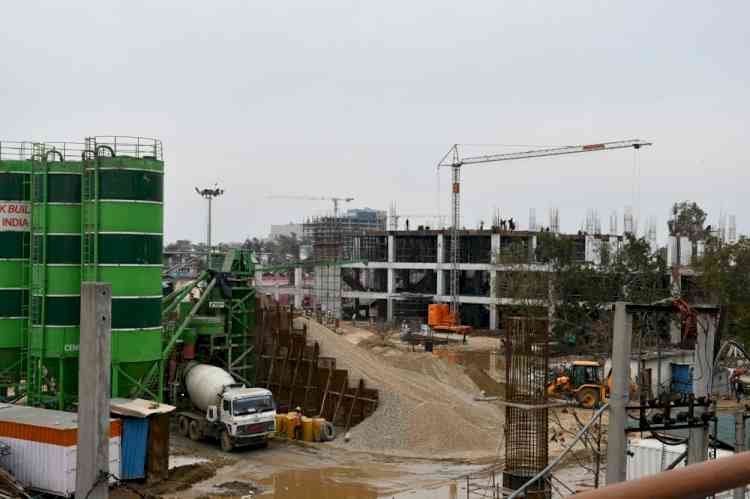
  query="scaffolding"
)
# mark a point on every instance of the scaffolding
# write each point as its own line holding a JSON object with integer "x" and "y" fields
{"x": 334, "y": 241}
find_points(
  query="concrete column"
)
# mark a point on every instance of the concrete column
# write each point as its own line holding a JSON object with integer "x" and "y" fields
{"x": 493, "y": 316}
{"x": 440, "y": 246}
{"x": 298, "y": 278}
{"x": 675, "y": 330}
{"x": 494, "y": 258}
{"x": 494, "y": 249}
{"x": 551, "y": 302}
{"x": 618, "y": 399}
{"x": 391, "y": 249}
{"x": 702, "y": 377}
{"x": 440, "y": 278}
{"x": 391, "y": 292}
{"x": 94, "y": 385}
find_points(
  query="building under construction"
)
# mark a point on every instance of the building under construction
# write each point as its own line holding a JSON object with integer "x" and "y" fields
{"x": 332, "y": 239}
{"x": 395, "y": 274}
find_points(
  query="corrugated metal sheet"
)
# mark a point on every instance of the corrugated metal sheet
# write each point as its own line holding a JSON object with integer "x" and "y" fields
{"x": 134, "y": 445}
{"x": 43, "y": 448}
{"x": 44, "y": 425}
{"x": 50, "y": 468}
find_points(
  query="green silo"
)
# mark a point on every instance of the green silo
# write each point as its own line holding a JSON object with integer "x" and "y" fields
{"x": 15, "y": 171}
{"x": 123, "y": 220}
{"x": 55, "y": 275}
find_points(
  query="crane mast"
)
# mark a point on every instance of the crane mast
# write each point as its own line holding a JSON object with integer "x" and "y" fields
{"x": 456, "y": 160}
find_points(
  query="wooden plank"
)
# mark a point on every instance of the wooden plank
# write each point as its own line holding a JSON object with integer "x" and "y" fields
{"x": 313, "y": 363}
{"x": 297, "y": 362}
{"x": 273, "y": 361}
{"x": 157, "y": 457}
{"x": 283, "y": 372}
{"x": 360, "y": 386}
{"x": 344, "y": 386}
{"x": 325, "y": 392}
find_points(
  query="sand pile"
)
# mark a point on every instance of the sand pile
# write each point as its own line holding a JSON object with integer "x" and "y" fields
{"x": 427, "y": 406}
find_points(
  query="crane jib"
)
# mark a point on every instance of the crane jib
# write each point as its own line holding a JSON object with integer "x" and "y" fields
{"x": 593, "y": 147}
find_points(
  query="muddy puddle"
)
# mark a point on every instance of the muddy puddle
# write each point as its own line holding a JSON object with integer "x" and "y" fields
{"x": 346, "y": 483}
{"x": 289, "y": 471}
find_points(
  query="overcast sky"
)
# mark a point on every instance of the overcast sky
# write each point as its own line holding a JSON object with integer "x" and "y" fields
{"x": 362, "y": 99}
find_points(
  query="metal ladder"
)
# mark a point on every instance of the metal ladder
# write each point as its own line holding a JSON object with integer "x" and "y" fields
{"x": 90, "y": 213}
{"x": 38, "y": 276}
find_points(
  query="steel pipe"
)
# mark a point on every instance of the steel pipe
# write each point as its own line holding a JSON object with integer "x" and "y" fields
{"x": 696, "y": 481}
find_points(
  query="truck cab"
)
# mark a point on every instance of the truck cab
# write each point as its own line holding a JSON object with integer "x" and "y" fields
{"x": 236, "y": 416}
{"x": 246, "y": 416}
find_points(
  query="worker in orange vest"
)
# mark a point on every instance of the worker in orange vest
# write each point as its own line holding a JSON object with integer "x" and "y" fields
{"x": 298, "y": 424}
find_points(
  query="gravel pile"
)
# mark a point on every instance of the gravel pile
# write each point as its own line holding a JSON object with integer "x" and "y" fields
{"x": 426, "y": 410}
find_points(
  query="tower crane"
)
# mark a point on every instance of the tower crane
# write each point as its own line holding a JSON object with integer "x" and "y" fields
{"x": 318, "y": 198}
{"x": 455, "y": 160}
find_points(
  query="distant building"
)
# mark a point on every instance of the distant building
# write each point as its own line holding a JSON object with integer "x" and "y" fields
{"x": 285, "y": 230}
{"x": 367, "y": 218}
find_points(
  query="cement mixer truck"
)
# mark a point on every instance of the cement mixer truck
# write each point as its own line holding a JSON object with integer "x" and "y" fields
{"x": 214, "y": 405}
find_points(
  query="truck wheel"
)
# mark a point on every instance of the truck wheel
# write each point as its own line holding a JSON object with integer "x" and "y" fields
{"x": 588, "y": 397}
{"x": 183, "y": 426}
{"x": 328, "y": 432}
{"x": 226, "y": 442}
{"x": 195, "y": 431}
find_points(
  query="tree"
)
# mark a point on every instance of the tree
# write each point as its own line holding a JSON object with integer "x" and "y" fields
{"x": 724, "y": 278}
{"x": 687, "y": 220}
{"x": 179, "y": 245}
{"x": 581, "y": 290}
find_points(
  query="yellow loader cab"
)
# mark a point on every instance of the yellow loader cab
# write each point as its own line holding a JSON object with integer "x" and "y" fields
{"x": 583, "y": 381}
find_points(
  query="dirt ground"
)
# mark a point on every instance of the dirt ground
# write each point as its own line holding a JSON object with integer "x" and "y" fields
{"x": 430, "y": 432}
{"x": 287, "y": 470}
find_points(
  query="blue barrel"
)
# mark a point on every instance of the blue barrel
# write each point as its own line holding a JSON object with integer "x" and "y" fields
{"x": 682, "y": 378}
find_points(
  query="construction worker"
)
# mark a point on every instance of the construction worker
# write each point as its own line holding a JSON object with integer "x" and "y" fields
{"x": 298, "y": 424}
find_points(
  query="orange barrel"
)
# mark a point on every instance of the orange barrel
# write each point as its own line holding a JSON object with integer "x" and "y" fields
{"x": 433, "y": 314}
{"x": 307, "y": 429}
{"x": 317, "y": 424}
{"x": 280, "y": 423}
{"x": 290, "y": 425}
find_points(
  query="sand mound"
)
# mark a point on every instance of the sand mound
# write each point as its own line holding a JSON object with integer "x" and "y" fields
{"x": 427, "y": 405}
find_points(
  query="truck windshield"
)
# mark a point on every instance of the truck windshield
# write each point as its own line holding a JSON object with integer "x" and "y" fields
{"x": 252, "y": 405}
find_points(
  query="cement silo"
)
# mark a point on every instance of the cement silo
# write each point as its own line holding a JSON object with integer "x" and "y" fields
{"x": 15, "y": 171}
{"x": 123, "y": 219}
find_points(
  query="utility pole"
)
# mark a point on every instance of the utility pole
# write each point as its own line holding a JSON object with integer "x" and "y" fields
{"x": 702, "y": 377}
{"x": 209, "y": 194}
{"x": 94, "y": 385}
{"x": 618, "y": 399}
